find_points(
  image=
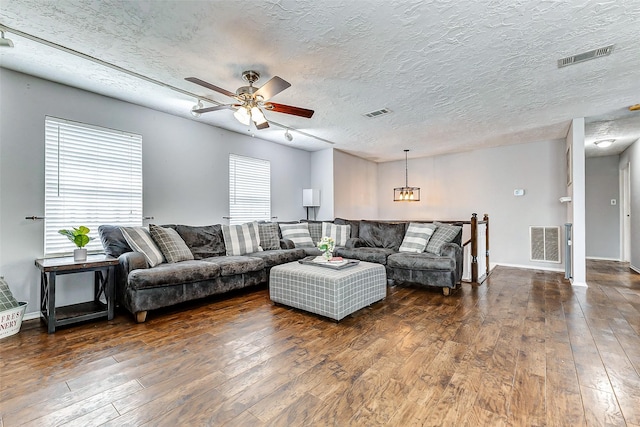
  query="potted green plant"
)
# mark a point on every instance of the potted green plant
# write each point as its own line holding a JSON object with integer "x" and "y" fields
{"x": 79, "y": 236}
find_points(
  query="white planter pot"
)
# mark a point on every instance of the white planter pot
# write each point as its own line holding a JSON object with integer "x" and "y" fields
{"x": 80, "y": 254}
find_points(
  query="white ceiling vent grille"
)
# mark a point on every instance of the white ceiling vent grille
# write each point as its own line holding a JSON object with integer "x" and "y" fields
{"x": 585, "y": 56}
{"x": 545, "y": 244}
{"x": 377, "y": 113}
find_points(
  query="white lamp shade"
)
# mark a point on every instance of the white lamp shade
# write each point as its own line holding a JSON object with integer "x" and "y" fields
{"x": 310, "y": 197}
{"x": 257, "y": 116}
{"x": 243, "y": 116}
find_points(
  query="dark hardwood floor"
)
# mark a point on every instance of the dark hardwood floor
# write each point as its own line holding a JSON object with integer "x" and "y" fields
{"x": 523, "y": 349}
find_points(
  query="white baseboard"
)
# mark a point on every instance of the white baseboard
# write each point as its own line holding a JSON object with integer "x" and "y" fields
{"x": 579, "y": 284}
{"x": 636, "y": 269}
{"x": 530, "y": 267}
{"x": 31, "y": 316}
{"x": 603, "y": 259}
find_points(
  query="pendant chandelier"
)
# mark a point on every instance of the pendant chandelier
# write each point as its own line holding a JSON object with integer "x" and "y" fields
{"x": 406, "y": 193}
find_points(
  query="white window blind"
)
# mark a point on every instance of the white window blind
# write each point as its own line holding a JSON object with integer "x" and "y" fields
{"x": 93, "y": 176}
{"x": 249, "y": 189}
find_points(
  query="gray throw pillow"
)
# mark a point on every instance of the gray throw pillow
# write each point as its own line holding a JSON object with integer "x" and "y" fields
{"x": 113, "y": 241}
{"x": 269, "y": 238}
{"x": 170, "y": 243}
{"x": 444, "y": 234}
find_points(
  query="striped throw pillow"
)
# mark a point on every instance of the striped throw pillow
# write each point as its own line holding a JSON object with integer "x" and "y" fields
{"x": 416, "y": 238}
{"x": 241, "y": 239}
{"x": 340, "y": 233}
{"x": 140, "y": 241}
{"x": 298, "y": 234}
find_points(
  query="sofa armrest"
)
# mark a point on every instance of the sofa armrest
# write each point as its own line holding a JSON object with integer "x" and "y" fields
{"x": 287, "y": 244}
{"x": 454, "y": 251}
{"x": 132, "y": 261}
{"x": 353, "y": 242}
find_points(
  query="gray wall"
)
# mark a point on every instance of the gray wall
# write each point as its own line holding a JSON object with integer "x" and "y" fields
{"x": 602, "y": 218}
{"x": 356, "y": 187}
{"x": 185, "y": 170}
{"x": 482, "y": 181}
{"x": 632, "y": 156}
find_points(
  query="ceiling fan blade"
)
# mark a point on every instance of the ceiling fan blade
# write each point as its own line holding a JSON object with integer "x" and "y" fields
{"x": 263, "y": 125}
{"x": 288, "y": 109}
{"x": 209, "y": 109}
{"x": 272, "y": 88}
{"x": 210, "y": 86}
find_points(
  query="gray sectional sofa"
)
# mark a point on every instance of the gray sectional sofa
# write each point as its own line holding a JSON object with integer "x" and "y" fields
{"x": 140, "y": 288}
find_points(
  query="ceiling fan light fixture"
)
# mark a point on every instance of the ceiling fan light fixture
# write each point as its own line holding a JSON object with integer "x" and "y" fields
{"x": 288, "y": 136}
{"x": 406, "y": 193}
{"x": 604, "y": 143}
{"x": 4, "y": 42}
{"x": 257, "y": 116}
{"x": 243, "y": 116}
{"x": 196, "y": 107}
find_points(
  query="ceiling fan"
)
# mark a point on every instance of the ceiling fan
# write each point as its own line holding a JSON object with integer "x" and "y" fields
{"x": 252, "y": 100}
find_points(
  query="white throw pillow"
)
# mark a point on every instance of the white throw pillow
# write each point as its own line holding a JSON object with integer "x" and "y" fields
{"x": 416, "y": 238}
{"x": 339, "y": 233}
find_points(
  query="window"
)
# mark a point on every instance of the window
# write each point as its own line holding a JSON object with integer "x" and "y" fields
{"x": 249, "y": 189}
{"x": 93, "y": 176}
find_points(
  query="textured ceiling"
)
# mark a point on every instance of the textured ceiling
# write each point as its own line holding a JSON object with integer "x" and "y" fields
{"x": 457, "y": 75}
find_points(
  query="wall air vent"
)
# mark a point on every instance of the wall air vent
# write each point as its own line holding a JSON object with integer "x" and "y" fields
{"x": 585, "y": 56}
{"x": 377, "y": 113}
{"x": 545, "y": 244}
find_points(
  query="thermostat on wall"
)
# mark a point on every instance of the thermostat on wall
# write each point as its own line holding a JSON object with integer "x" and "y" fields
{"x": 518, "y": 192}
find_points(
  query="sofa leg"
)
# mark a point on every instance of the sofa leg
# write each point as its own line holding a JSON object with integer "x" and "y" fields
{"x": 141, "y": 316}
{"x": 446, "y": 291}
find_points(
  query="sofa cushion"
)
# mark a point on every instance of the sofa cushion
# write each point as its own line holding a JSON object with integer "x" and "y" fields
{"x": 444, "y": 234}
{"x": 353, "y": 223}
{"x": 280, "y": 256}
{"x": 173, "y": 274}
{"x": 377, "y": 255}
{"x": 339, "y": 233}
{"x": 203, "y": 241}
{"x": 113, "y": 240}
{"x": 421, "y": 261}
{"x": 231, "y": 265}
{"x": 140, "y": 240}
{"x": 170, "y": 243}
{"x": 377, "y": 234}
{"x": 297, "y": 233}
{"x": 416, "y": 237}
{"x": 269, "y": 237}
{"x": 241, "y": 239}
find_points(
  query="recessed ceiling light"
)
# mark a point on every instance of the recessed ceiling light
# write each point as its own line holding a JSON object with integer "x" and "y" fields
{"x": 604, "y": 143}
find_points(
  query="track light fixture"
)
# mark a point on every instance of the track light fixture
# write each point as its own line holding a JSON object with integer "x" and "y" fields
{"x": 196, "y": 107}
{"x": 288, "y": 136}
{"x": 4, "y": 42}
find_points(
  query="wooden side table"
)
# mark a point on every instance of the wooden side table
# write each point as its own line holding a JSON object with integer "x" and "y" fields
{"x": 104, "y": 286}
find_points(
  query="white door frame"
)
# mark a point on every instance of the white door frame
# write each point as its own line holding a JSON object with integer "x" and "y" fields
{"x": 625, "y": 213}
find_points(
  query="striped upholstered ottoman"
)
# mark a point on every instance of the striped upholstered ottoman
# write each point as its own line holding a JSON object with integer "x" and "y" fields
{"x": 327, "y": 292}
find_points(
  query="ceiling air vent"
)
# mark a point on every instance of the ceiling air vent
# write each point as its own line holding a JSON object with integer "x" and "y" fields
{"x": 585, "y": 56}
{"x": 377, "y": 113}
